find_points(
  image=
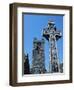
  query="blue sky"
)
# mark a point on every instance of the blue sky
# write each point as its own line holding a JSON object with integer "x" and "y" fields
{"x": 33, "y": 26}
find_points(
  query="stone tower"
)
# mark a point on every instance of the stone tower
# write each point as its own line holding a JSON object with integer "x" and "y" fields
{"x": 38, "y": 62}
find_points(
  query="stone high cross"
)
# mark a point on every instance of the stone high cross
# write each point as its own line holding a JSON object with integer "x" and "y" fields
{"x": 52, "y": 35}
